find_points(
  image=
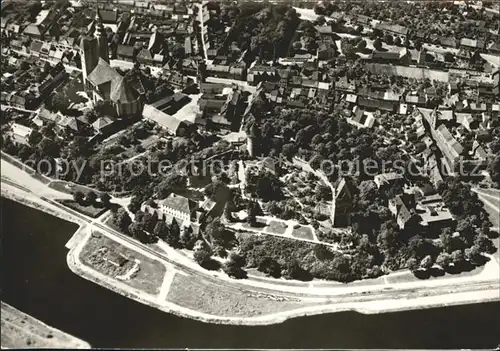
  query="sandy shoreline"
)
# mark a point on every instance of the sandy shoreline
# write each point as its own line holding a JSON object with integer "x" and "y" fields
{"x": 20, "y": 330}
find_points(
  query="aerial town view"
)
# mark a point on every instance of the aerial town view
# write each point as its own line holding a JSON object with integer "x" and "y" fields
{"x": 250, "y": 174}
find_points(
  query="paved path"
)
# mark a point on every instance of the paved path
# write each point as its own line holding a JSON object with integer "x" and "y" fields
{"x": 167, "y": 282}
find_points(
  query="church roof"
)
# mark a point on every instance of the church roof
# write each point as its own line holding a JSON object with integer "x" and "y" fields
{"x": 121, "y": 91}
{"x": 102, "y": 122}
{"x": 103, "y": 73}
{"x": 180, "y": 203}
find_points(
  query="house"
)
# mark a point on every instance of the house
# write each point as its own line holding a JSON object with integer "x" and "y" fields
{"x": 403, "y": 209}
{"x": 395, "y": 57}
{"x": 125, "y": 52}
{"x": 211, "y": 103}
{"x": 342, "y": 202}
{"x": 415, "y": 99}
{"x": 361, "y": 119}
{"x": 183, "y": 210}
{"x": 374, "y": 105}
{"x": 448, "y": 41}
{"x": 326, "y": 51}
{"x": 392, "y": 29}
{"x": 466, "y": 120}
{"x": 236, "y": 138}
{"x": 104, "y": 125}
{"x": 433, "y": 213}
{"x": 108, "y": 84}
{"x": 472, "y": 43}
{"x": 387, "y": 179}
{"x": 494, "y": 47}
{"x": 20, "y": 133}
{"x": 109, "y": 16}
{"x": 145, "y": 57}
{"x": 164, "y": 120}
{"x": 449, "y": 146}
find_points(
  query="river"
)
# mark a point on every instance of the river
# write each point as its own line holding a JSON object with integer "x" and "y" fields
{"x": 36, "y": 280}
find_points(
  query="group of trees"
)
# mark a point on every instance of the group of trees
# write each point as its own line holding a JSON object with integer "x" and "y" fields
{"x": 147, "y": 228}
{"x": 266, "y": 30}
{"x": 90, "y": 198}
{"x": 263, "y": 185}
{"x": 291, "y": 259}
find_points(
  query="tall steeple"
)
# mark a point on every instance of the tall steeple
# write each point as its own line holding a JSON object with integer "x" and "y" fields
{"x": 102, "y": 38}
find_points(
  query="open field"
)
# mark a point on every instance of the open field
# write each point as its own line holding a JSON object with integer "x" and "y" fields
{"x": 148, "y": 278}
{"x": 230, "y": 302}
{"x": 90, "y": 210}
{"x": 303, "y": 233}
{"x": 21, "y": 331}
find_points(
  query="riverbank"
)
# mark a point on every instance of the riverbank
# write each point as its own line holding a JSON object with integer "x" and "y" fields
{"x": 368, "y": 300}
{"x": 20, "y": 330}
{"x": 378, "y": 302}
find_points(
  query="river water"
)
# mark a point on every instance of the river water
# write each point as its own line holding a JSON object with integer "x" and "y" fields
{"x": 36, "y": 280}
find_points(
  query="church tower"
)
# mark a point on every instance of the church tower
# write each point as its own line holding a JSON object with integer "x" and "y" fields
{"x": 253, "y": 140}
{"x": 102, "y": 38}
{"x": 90, "y": 57}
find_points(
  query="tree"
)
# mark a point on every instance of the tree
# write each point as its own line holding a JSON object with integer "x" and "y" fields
{"x": 214, "y": 232}
{"x": 377, "y": 44}
{"x": 161, "y": 230}
{"x": 443, "y": 260}
{"x": 122, "y": 219}
{"x": 135, "y": 204}
{"x": 449, "y": 57}
{"x": 202, "y": 253}
{"x": 361, "y": 45}
{"x": 136, "y": 232}
{"x": 418, "y": 44}
{"x": 149, "y": 221}
{"x": 173, "y": 237}
{"x": 188, "y": 238}
{"x": 270, "y": 267}
{"x": 34, "y": 138}
{"x": 322, "y": 253}
{"x": 293, "y": 269}
{"x": 78, "y": 196}
{"x": 412, "y": 264}
{"x": 473, "y": 253}
{"x": 233, "y": 266}
{"x": 458, "y": 257}
{"x": 484, "y": 244}
{"x": 446, "y": 240}
{"x": 252, "y": 213}
{"x": 398, "y": 41}
{"x": 426, "y": 262}
{"x": 494, "y": 169}
{"x": 105, "y": 199}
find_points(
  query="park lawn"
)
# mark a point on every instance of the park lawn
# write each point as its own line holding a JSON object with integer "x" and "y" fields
{"x": 276, "y": 227}
{"x": 70, "y": 188}
{"x": 224, "y": 300}
{"x": 303, "y": 233}
{"x": 90, "y": 210}
{"x": 150, "y": 276}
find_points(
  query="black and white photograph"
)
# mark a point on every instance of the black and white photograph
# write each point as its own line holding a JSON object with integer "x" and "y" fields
{"x": 258, "y": 175}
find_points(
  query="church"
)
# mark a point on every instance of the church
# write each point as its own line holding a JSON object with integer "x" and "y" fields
{"x": 101, "y": 81}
